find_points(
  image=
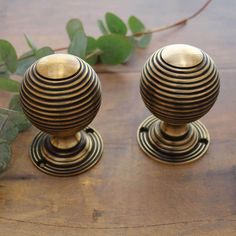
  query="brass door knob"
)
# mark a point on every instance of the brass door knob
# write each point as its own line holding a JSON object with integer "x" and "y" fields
{"x": 61, "y": 95}
{"x": 179, "y": 84}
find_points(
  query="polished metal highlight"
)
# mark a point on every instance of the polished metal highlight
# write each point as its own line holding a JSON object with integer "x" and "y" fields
{"x": 61, "y": 95}
{"x": 179, "y": 84}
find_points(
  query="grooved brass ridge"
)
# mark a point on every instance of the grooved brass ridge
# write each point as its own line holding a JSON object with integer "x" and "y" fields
{"x": 179, "y": 84}
{"x": 61, "y": 95}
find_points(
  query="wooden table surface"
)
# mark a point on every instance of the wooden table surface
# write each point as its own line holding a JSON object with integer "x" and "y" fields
{"x": 126, "y": 193}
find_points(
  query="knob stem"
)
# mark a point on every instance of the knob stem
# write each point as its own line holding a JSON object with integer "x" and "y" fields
{"x": 174, "y": 131}
{"x": 65, "y": 142}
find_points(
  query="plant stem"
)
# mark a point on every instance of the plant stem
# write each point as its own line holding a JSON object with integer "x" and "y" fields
{"x": 60, "y": 49}
{"x": 179, "y": 22}
{"x": 155, "y": 30}
{"x": 95, "y": 52}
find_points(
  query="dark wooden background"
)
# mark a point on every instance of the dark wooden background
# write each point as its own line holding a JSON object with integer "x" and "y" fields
{"x": 127, "y": 193}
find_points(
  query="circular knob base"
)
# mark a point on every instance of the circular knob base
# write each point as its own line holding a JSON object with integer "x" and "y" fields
{"x": 67, "y": 162}
{"x": 170, "y": 150}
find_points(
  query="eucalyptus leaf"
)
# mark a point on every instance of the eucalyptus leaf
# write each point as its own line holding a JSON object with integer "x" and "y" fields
{"x": 16, "y": 121}
{"x": 30, "y": 43}
{"x": 5, "y": 75}
{"x": 3, "y": 119}
{"x": 102, "y": 27}
{"x": 5, "y": 155}
{"x": 42, "y": 52}
{"x": 8, "y": 55}
{"x": 73, "y": 26}
{"x": 9, "y": 85}
{"x": 91, "y": 47}
{"x": 3, "y": 68}
{"x": 144, "y": 41}
{"x": 27, "y": 54}
{"x": 115, "y": 24}
{"x": 22, "y": 122}
{"x": 24, "y": 62}
{"x": 20, "y": 119}
{"x": 8, "y": 129}
{"x": 133, "y": 42}
{"x": 78, "y": 45}
{"x": 11, "y": 123}
{"x": 135, "y": 24}
{"x": 15, "y": 104}
{"x": 115, "y": 48}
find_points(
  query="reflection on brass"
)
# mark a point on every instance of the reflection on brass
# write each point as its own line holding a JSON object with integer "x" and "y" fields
{"x": 60, "y": 67}
{"x": 61, "y": 95}
{"x": 179, "y": 84}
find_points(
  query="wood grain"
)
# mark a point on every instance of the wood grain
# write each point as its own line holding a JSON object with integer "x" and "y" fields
{"x": 127, "y": 193}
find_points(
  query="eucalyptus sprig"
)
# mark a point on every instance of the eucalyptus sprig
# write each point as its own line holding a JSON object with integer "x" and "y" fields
{"x": 12, "y": 122}
{"x": 115, "y": 46}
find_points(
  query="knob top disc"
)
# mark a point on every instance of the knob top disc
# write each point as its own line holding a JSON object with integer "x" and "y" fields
{"x": 182, "y": 55}
{"x": 57, "y": 66}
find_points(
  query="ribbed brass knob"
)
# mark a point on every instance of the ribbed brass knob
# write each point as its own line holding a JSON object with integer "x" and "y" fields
{"x": 179, "y": 84}
{"x": 61, "y": 95}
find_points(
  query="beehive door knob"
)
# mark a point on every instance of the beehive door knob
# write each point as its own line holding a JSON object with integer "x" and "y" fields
{"x": 61, "y": 95}
{"x": 179, "y": 84}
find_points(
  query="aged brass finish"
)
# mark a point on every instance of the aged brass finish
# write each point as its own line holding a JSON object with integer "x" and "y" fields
{"x": 179, "y": 84}
{"x": 179, "y": 56}
{"x": 61, "y": 95}
{"x": 62, "y": 66}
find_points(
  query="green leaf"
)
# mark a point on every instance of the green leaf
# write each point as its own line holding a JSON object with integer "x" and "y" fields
{"x": 15, "y": 104}
{"x": 102, "y": 27}
{"x": 4, "y": 75}
{"x": 42, "y": 52}
{"x": 133, "y": 42}
{"x": 135, "y": 25}
{"x": 115, "y": 24}
{"x": 8, "y": 55}
{"x": 9, "y": 85}
{"x": 78, "y": 45}
{"x": 8, "y": 129}
{"x": 5, "y": 156}
{"x": 20, "y": 119}
{"x": 11, "y": 123}
{"x": 24, "y": 62}
{"x": 22, "y": 122}
{"x": 144, "y": 41}
{"x": 73, "y": 26}
{"x": 30, "y": 43}
{"x": 3, "y": 68}
{"x": 27, "y": 54}
{"x": 16, "y": 122}
{"x": 91, "y": 47}
{"x": 115, "y": 48}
